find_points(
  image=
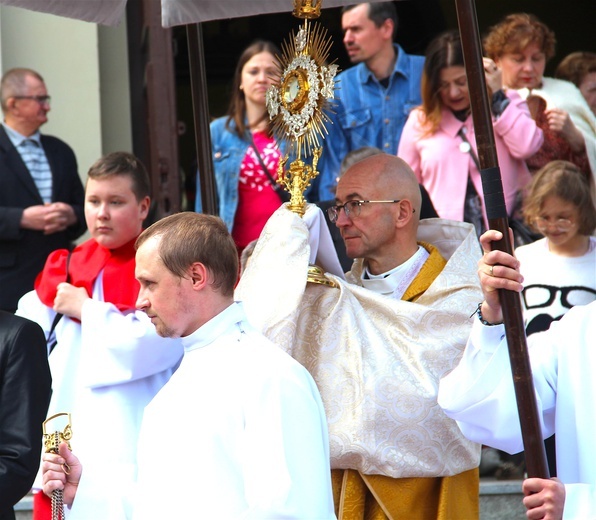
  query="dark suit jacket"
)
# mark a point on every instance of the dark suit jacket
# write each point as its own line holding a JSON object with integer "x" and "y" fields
{"x": 23, "y": 252}
{"x": 25, "y": 387}
{"x": 427, "y": 210}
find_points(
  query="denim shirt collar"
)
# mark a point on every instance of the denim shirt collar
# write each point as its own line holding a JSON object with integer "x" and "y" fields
{"x": 401, "y": 67}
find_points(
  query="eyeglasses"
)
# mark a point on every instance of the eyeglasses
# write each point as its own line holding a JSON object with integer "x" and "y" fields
{"x": 541, "y": 295}
{"x": 352, "y": 208}
{"x": 562, "y": 224}
{"x": 42, "y": 100}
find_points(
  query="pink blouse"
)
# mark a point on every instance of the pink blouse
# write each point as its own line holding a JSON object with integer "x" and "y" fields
{"x": 441, "y": 163}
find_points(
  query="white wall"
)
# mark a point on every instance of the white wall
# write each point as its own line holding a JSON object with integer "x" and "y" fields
{"x": 114, "y": 89}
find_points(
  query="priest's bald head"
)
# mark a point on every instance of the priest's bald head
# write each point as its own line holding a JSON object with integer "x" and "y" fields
{"x": 382, "y": 198}
{"x": 187, "y": 265}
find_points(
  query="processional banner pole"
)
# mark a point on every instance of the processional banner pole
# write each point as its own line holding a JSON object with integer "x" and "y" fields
{"x": 492, "y": 187}
{"x": 200, "y": 105}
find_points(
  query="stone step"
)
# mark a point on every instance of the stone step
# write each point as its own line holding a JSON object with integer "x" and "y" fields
{"x": 24, "y": 509}
{"x": 499, "y": 500}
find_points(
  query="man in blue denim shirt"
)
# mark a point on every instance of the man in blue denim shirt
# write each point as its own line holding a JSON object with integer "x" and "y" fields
{"x": 375, "y": 97}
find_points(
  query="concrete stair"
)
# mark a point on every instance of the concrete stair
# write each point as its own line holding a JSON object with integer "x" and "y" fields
{"x": 499, "y": 500}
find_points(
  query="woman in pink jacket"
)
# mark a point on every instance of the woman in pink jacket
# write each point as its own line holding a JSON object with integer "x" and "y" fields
{"x": 439, "y": 144}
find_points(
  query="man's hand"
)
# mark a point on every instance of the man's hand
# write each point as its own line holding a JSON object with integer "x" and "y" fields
{"x": 34, "y": 217}
{"x": 544, "y": 499}
{"x": 54, "y": 476}
{"x": 69, "y": 300}
{"x": 58, "y": 217}
{"x": 49, "y": 218}
{"x": 496, "y": 270}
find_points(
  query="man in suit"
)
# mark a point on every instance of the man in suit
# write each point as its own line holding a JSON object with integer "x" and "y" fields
{"x": 41, "y": 194}
{"x": 25, "y": 385}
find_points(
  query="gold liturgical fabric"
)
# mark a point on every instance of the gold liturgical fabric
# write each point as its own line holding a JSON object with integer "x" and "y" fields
{"x": 377, "y": 361}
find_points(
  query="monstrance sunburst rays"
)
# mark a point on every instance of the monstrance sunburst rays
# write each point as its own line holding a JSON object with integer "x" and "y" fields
{"x": 297, "y": 107}
{"x": 298, "y": 103}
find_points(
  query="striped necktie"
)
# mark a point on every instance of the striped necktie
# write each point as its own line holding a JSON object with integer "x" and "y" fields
{"x": 37, "y": 163}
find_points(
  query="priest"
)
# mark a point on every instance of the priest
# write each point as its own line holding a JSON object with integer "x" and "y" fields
{"x": 378, "y": 342}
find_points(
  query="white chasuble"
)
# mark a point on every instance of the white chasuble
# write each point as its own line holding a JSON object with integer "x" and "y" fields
{"x": 377, "y": 361}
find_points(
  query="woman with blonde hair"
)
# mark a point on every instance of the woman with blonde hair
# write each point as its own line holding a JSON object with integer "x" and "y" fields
{"x": 560, "y": 269}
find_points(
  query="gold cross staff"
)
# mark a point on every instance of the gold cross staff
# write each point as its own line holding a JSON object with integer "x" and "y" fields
{"x": 52, "y": 443}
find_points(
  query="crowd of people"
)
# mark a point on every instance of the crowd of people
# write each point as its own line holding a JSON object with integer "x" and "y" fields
{"x": 202, "y": 388}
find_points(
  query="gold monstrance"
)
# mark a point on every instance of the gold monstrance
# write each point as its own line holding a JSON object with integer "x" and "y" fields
{"x": 297, "y": 107}
{"x": 296, "y": 104}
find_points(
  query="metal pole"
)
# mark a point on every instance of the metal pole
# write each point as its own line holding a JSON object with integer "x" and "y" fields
{"x": 198, "y": 85}
{"x": 492, "y": 187}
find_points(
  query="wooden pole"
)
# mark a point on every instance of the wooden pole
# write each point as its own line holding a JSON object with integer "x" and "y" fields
{"x": 492, "y": 187}
{"x": 198, "y": 85}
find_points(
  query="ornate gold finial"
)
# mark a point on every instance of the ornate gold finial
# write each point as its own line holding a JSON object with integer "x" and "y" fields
{"x": 307, "y": 9}
{"x": 51, "y": 443}
{"x": 53, "y": 439}
{"x": 296, "y": 179}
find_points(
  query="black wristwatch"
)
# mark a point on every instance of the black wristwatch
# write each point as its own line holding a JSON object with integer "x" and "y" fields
{"x": 478, "y": 313}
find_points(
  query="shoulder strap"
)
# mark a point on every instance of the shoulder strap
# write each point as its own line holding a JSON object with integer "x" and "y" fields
{"x": 261, "y": 162}
{"x": 464, "y": 138}
{"x": 52, "y": 340}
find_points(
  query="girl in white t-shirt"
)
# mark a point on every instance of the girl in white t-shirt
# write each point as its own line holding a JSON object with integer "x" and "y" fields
{"x": 560, "y": 269}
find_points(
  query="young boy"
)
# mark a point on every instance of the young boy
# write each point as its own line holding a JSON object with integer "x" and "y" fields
{"x": 107, "y": 361}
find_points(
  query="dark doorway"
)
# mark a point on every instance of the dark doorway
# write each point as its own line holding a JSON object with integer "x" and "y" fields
{"x": 224, "y": 40}
{"x": 419, "y": 22}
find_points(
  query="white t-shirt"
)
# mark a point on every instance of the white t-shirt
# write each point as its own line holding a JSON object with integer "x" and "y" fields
{"x": 554, "y": 283}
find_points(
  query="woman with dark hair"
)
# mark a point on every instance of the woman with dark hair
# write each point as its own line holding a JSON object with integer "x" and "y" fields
{"x": 245, "y": 154}
{"x": 580, "y": 68}
{"x": 521, "y": 45}
{"x": 438, "y": 141}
